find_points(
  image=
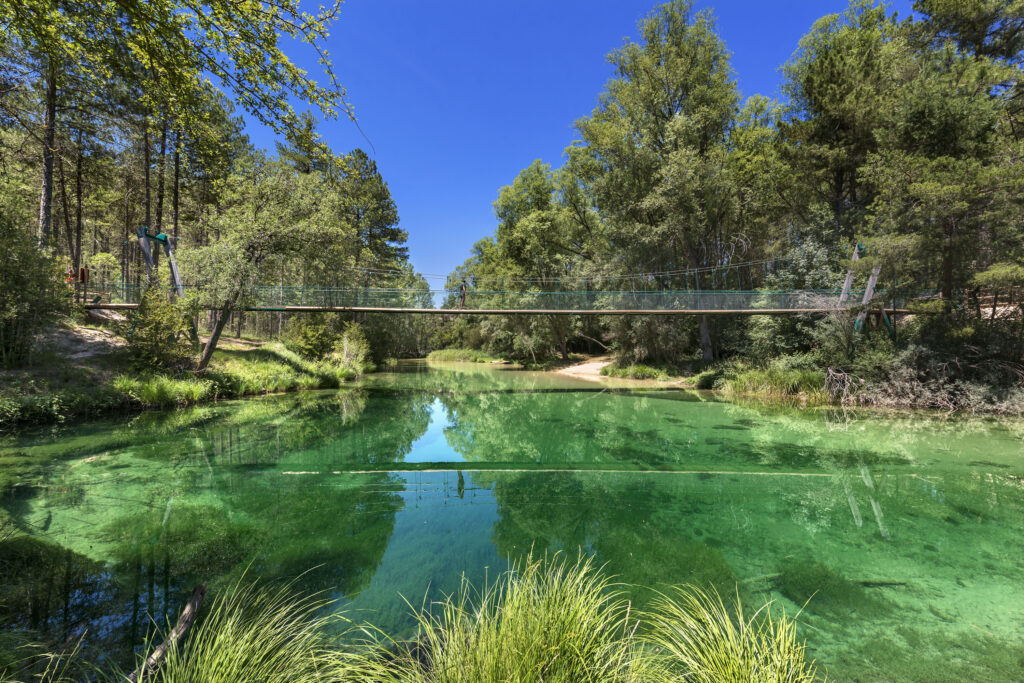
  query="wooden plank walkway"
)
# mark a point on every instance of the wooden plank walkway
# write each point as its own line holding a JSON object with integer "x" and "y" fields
{"x": 523, "y": 311}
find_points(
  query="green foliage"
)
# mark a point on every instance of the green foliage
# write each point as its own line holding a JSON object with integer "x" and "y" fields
{"x": 1000, "y": 276}
{"x": 351, "y": 350}
{"x": 157, "y": 331}
{"x": 31, "y": 293}
{"x": 311, "y": 336}
{"x": 465, "y": 355}
{"x": 709, "y": 379}
{"x": 160, "y": 391}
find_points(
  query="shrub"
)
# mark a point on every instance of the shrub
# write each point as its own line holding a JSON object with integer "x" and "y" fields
{"x": 310, "y": 335}
{"x": 710, "y": 378}
{"x": 351, "y": 350}
{"x": 31, "y": 292}
{"x": 157, "y": 331}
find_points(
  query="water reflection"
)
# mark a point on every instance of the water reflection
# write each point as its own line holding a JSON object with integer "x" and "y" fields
{"x": 899, "y": 534}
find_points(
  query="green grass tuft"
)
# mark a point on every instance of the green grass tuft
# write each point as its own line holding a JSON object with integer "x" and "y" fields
{"x": 635, "y": 371}
{"x": 774, "y": 381}
{"x": 554, "y": 621}
{"x": 254, "y": 634}
{"x": 699, "y": 640}
{"x": 464, "y": 355}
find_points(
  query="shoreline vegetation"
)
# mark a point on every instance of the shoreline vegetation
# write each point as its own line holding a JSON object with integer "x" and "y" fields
{"x": 56, "y": 390}
{"x": 553, "y": 620}
{"x": 59, "y": 387}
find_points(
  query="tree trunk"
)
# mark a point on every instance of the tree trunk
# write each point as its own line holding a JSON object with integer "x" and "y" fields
{"x": 49, "y": 130}
{"x": 705, "y": 338}
{"x": 68, "y": 232}
{"x": 211, "y": 344}
{"x": 240, "y": 320}
{"x": 947, "y": 264}
{"x": 145, "y": 167}
{"x": 78, "y": 205}
{"x": 174, "y": 190}
{"x": 161, "y": 167}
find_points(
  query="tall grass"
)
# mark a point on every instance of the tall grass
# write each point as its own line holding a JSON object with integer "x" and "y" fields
{"x": 163, "y": 391}
{"x": 634, "y": 371}
{"x": 773, "y": 381}
{"x": 465, "y": 355}
{"x": 555, "y": 621}
{"x": 271, "y": 636}
{"x": 699, "y": 640}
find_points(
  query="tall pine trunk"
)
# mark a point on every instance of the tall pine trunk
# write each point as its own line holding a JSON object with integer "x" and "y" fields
{"x": 161, "y": 166}
{"x": 177, "y": 181}
{"x": 49, "y": 133}
{"x": 78, "y": 206}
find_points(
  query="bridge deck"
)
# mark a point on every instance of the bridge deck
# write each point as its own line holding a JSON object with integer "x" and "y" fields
{"x": 519, "y": 311}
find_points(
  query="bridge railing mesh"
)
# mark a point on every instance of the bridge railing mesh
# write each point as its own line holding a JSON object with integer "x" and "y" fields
{"x": 698, "y": 300}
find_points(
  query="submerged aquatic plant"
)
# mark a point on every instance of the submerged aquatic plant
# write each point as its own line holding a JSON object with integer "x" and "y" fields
{"x": 820, "y": 587}
{"x": 698, "y": 639}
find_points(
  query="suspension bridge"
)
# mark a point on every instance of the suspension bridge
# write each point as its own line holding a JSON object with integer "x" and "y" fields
{"x": 730, "y": 289}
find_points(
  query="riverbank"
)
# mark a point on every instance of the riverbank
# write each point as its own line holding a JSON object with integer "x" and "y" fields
{"x": 901, "y": 390}
{"x": 79, "y": 372}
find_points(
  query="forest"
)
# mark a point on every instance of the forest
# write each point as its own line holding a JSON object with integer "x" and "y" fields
{"x": 900, "y": 135}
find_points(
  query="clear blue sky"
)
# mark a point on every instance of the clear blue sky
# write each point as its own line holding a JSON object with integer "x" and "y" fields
{"x": 457, "y": 97}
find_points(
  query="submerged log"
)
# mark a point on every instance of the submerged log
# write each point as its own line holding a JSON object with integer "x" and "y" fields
{"x": 188, "y": 615}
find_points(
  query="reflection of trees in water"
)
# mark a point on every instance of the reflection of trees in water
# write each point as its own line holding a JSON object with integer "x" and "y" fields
{"x": 636, "y": 526}
{"x": 202, "y": 513}
{"x": 561, "y": 428}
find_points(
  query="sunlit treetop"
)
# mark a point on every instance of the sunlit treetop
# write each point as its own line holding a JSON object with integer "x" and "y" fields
{"x": 175, "y": 48}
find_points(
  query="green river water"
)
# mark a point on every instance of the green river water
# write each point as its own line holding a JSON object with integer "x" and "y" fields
{"x": 902, "y": 534}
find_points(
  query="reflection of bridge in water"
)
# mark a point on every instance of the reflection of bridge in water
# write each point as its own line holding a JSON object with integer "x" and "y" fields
{"x": 612, "y": 302}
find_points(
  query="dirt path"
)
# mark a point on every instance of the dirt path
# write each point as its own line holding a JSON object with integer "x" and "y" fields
{"x": 591, "y": 370}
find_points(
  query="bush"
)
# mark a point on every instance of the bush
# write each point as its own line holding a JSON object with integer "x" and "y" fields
{"x": 709, "y": 379}
{"x": 351, "y": 350}
{"x": 31, "y": 292}
{"x": 310, "y": 335}
{"x": 157, "y": 331}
